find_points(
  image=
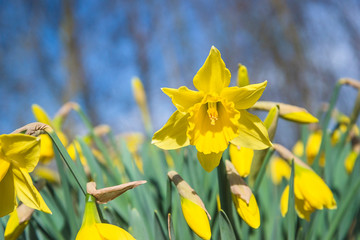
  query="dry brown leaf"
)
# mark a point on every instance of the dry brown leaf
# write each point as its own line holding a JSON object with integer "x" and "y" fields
{"x": 105, "y": 195}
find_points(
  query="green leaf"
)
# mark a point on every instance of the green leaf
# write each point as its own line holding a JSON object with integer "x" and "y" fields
{"x": 138, "y": 225}
{"x": 226, "y": 230}
{"x": 291, "y": 207}
{"x": 159, "y": 227}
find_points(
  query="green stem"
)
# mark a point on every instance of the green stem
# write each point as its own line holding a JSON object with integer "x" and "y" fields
{"x": 261, "y": 174}
{"x": 325, "y": 123}
{"x": 224, "y": 191}
{"x": 67, "y": 159}
{"x": 342, "y": 209}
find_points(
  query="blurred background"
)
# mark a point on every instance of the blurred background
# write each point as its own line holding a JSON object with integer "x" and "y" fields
{"x": 88, "y": 51}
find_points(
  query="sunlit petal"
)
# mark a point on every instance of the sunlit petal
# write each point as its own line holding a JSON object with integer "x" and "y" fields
{"x": 253, "y": 133}
{"x": 196, "y": 218}
{"x": 22, "y": 150}
{"x": 242, "y": 158}
{"x": 4, "y": 167}
{"x": 7, "y": 199}
{"x": 249, "y": 212}
{"x": 183, "y": 98}
{"x": 173, "y": 134}
{"x": 213, "y": 76}
{"x": 209, "y": 161}
{"x": 244, "y": 97}
{"x": 26, "y": 191}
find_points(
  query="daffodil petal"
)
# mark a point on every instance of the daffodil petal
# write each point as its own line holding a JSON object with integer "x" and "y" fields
{"x": 110, "y": 232}
{"x": 88, "y": 232}
{"x": 253, "y": 133}
{"x": 215, "y": 138}
{"x": 40, "y": 114}
{"x": 22, "y": 150}
{"x": 241, "y": 158}
{"x": 46, "y": 148}
{"x": 279, "y": 169}
{"x": 14, "y": 228}
{"x": 284, "y": 201}
{"x": 300, "y": 117}
{"x": 301, "y": 210}
{"x": 244, "y": 97}
{"x": 196, "y": 218}
{"x": 26, "y": 191}
{"x": 349, "y": 161}
{"x": 248, "y": 212}
{"x": 313, "y": 146}
{"x": 7, "y": 199}
{"x": 4, "y": 167}
{"x": 173, "y": 134}
{"x": 183, "y": 98}
{"x": 209, "y": 161}
{"x": 314, "y": 189}
{"x": 213, "y": 76}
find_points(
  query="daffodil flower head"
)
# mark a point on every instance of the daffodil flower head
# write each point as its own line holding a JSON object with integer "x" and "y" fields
{"x": 92, "y": 228}
{"x": 311, "y": 192}
{"x": 192, "y": 207}
{"x": 19, "y": 154}
{"x": 213, "y": 116}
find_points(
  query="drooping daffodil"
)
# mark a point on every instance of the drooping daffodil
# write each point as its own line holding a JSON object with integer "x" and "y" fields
{"x": 192, "y": 206}
{"x": 243, "y": 198}
{"x": 19, "y": 154}
{"x": 93, "y": 228}
{"x": 311, "y": 192}
{"x": 213, "y": 116}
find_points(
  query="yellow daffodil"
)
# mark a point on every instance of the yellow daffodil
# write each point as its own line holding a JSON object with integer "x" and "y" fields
{"x": 19, "y": 154}
{"x": 243, "y": 77}
{"x": 298, "y": 148}
{"x": 353, "y": 155}
{"x": 140, "y": 98}
{"x": 343, "y": 122}
{"x": 133, "y": 143}
{"x": 46, "y": 150}
{"x": 279, "y": 169}
{"x": 313, "y": 147}
{"x": 192, "y": 207}
{"x": 311, "y": 192}
{"x": 92, "y": 228}
{"x": 243, "y": 198}
{"x": 287, "y": 111}
{"x": 242, "y": 158}
{"x": 214, "y": 116}
{"x": 17, "y": 222}
{"x": 350, "y": 161}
